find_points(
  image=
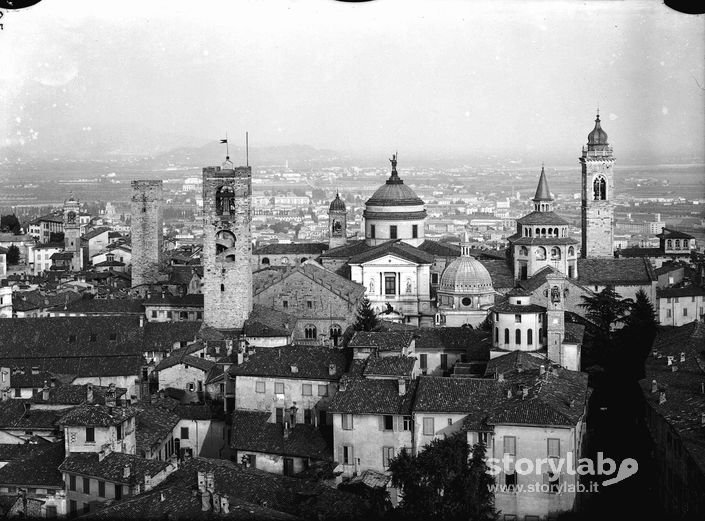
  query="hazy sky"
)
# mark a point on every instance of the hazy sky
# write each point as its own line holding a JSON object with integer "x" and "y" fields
{"x": 423, "y": 76}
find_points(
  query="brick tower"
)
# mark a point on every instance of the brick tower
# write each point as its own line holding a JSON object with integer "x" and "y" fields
{"x": 597, "y": 190}
{"x": 337, "y": 223}
{"x": 555, "y": 316}
{"x": 72, "y": 232}
{"x": 227, "y": 245}
{"x": 147, "y": 231}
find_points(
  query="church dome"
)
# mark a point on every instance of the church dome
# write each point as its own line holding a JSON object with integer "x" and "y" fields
{"x": 466, "y": 275}
{"x": 337, "y": 205}
{"x": 597, "y": 136}
{"x": 394, "y": 192}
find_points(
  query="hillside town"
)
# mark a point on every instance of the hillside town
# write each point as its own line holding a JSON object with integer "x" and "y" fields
{"x": 271, "y": 358}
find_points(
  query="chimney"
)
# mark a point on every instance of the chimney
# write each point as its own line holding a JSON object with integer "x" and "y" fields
{"x": 342, "y": 386}
{"x": 126, "y": 471}
{"x": 201, "y": 479}
{"x": 205, "y": 501}
{"x": 286, "y": 430}
{"x": 500, "y": 377}
{"x": 89, "y": 393}
{"x": 240, "y": 358}
{"x": 402, "y": 386}
{"x": 702, "y": 419}
{"x": 141, "y": 320}
{"x": 702, "y": 387}
{"x": 294, "y": 369}
{"x": 654, "y": 386}
{"x": 682, "y": 357}
{"x": 53, "y": 381}
{"x": 331, "y": 369}
{"x": 661, "y": 397}
{"x": 216, "y": 503}
{"x": 228, "y": 346}
{"x": 674, "y": 368}
{"x": 524, "y": 392}
{"x": 520, "y": 368}
{"x": 509, "y": 393}
{"x": 4, "y": 395}
{"x": 45, "y": 392}
{"x": 224, "y": 504}
{"x": 542, "y": 369}
{"x": 210, "y": 481}
{"x": 111, "y": 396}
{"x": 669, "y": 360}
{"x": 161, "y": 497}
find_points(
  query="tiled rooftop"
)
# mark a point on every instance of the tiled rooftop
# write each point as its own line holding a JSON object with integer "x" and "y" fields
{"x": 112, "y": 467}
{"x": 95, "y": 415}
{"x": 372, "y": 396}
{"x": 381, "y": 340}
{"x": 309, "y": 362}
{"x": 37, "y": 468}
{"x": 390, "y": 366}
{"x": 615, "y": 271}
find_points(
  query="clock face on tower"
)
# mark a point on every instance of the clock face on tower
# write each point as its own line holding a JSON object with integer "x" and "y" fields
{"x": 71, "y": 217}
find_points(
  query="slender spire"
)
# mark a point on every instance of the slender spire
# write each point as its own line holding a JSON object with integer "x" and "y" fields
{"x": 542, "y": 191}
{"x": 465, "y": 244}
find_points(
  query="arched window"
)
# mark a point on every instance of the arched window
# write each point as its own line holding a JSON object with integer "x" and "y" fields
{"x": 335, "y": 333}
{"x": 303, "y": 259}
{"x": 225, "y": 200}
{"x": 678, "y": 244}
{"x": 506, "y": 336}
{"x": 540, "y": 253}
{"x": 543, "y": 232}
{"x": 555, "y": 253}
{"x": 265, "y": 261}
{"x": 496, "y": 335}
{"x": 523, "y": 251}
{"x": 571, "y": 251}
{"x": 599, "y": 188}
{"x": 310, "y": 331}
{"x": 225, "y": 240}
{"x": 537, "y": 232}
{"x": 517, "y": 337}
{"x": 530, "y": 337}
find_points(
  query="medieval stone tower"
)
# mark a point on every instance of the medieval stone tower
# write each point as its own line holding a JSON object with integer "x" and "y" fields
{"x": 337, "y": 223}
{"x": 72, "y": 232}
{"x": 598, "y": 191}
{"x": 227, "y": 245}
{"x": 147, "y": 231}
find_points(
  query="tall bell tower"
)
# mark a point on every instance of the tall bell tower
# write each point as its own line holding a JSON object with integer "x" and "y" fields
{"x": 337, "y": 223}
{"x": 72, "y": 232}
{"x": 227, "y": 245}
{"x": 597, "y": 191}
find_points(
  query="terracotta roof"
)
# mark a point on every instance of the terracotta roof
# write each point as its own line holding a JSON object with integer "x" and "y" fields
{"x": 94, "y": 233}
{"x": 19, "y": 414}
{"x": 687, "y": 291}
{"x": 513, "y": 361}
{"x": 36, "y": 469}
{"x": 75, "y": 394}
{"x": 112, "y": 467}
{"x": 95, "y": 415}
{"x": 348, "y": 250}
{"x": 186, "y": 359}
{"x": 574, "y": 333}
{"x": 540, "y": 241}
{"x": 460, "y": 395}
{"x": 372, "y": 396}
{"x": 190, "y": 301}
{"x": 381, "y": 340}
{"x": 644, "y": 252}
{"x": 154, "y": 424}
{"x": 390, "y": 366}
{"x": 558, "y": 397}
{"x": 506, "y": 307}
{"x": 266, "y": 322}
{"x": 251, "y": 431}
{"x": 294, "y": 248}
{"x": 104, "y": 305}
{"x": 668, "y": 233}
{"x": 474, "y": 342}
{"x": 501, "y": 273}
{"x": 685, "y": 401}
{"x": 396, "y": 248}
{"x": 311, "y": 363}
{"x": 542, "y": 218}
{"x": 440, "y": 249}
{"x": 615, "y": 271}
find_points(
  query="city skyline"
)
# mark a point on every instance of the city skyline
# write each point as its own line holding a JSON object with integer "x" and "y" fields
{"x": 468, "y": 78}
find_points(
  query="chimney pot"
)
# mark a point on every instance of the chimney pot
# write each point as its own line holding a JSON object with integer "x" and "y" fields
{"x": 682, "y": 357}
{"x": 500, "y": 377}
{"x": 661, "y": 397}
{"x": 654, "y": 386}
{"x": 402, "y": 386}
{"x": 126, "y": 471}
{"x": 542, "y": 369}
{"x": 331, "y": 369}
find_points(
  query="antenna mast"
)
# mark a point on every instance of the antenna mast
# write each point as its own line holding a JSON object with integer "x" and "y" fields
{"x": 247, "y": 149}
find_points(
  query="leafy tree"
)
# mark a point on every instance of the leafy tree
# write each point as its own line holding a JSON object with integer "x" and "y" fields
{"x": 605, "y": 310}
{"x": 13, "y": 255}
{"x": 366, "y": 317}
{"x": 637, "y": 336}
{"x": 447, "y": 480}
{"x": 10, "y": 223}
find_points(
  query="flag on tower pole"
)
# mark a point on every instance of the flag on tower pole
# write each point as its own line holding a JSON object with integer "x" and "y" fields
{"x": 227, "y": 146}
